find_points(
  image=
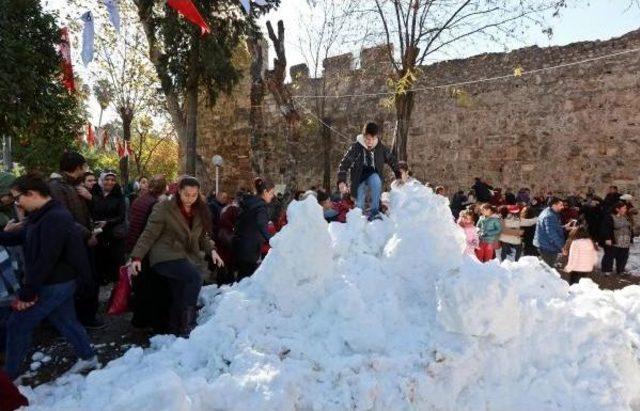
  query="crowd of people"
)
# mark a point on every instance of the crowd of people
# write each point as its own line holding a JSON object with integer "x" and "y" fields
{"x": 64, "y": 237}
{"x": 564, "y": 233}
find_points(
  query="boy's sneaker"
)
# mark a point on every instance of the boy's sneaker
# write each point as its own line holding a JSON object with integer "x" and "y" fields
{"x": 607, "y": 273}
{"x": 84, "y": 365}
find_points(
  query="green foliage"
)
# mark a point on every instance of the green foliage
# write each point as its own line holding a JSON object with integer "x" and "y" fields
{"x": 35, "y": 109}
{"x": 401, "y": 86}
{"x": 103, "y": 92}
{"x": 154, "y": 149}
{"x": 100, "y": 160}
{"x": 189, "y": 60}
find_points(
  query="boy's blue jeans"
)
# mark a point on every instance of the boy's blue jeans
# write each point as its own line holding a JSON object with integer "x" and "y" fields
{"x": 55, "y": 302}
{"x": 375, "y": 185}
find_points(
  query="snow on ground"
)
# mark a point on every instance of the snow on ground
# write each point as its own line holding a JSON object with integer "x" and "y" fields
{"x": 633, "y": 265}
{"x": 386, "y": 315}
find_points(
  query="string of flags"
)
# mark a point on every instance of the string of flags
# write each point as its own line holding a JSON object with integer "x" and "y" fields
{"x": 189, "y": 11}
{"x": 98, "y": 138}
{"x": 64, "y": 48}
{"x": 87, "y": 38}
{"x": 246, "y": 4}
{"x": 114, "y": 13}
{"x": 185, "y": 8}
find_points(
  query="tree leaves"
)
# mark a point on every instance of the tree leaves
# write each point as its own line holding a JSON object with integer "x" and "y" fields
{"x": 37, "y": 111}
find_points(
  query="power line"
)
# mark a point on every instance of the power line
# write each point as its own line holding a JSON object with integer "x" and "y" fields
{"x": 322, "y": 122}
{"x": 464, "y": 83}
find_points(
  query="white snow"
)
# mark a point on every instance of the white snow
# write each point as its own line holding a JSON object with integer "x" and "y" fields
{"x": 633, "y": 265}
{"x": 386, "y": 315}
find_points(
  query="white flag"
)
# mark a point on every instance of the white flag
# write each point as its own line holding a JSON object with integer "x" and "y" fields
{"x": 247, "y": 5}
{"x": 100, "y": 137}
{"x": 87, "y": 38}
{"x": 114, "y": 14}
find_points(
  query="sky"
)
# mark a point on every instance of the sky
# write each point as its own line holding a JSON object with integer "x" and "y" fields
{"x": 590, "y": 20}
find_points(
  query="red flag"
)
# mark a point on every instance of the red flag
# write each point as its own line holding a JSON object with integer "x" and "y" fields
{"x": 190, "y": 12}
{"x": 120, "y": 149}
{"x": 126, "y": 149}
{"x": 91, "y": 137}
{"x": 105, "y": 139}
{"x": 67, "y": 66}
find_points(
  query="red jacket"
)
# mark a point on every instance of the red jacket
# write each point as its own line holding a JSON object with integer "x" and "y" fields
{"x": 343, "y": 207}
{"x": 138, "y": 215}
{"x": 227, "y": 222}
{"x": 568, "y": 214}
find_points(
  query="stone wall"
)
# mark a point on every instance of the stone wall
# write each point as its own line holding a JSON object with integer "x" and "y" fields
{"x": 564, "y": 129}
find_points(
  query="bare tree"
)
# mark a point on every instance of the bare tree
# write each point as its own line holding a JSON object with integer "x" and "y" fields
{"x": 256, "y": 115}
{"x": 123, "y": 64}
{"x": 274, "y": 81}
{"x": 146, "y": 142}
{"x": 327, "y": 30}
{"x": 420, "y": 28}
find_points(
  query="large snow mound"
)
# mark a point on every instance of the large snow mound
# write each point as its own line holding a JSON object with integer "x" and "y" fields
{"x": 387, "y": 315}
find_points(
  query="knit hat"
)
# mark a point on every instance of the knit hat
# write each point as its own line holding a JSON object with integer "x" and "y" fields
{"x": 6, "y": 179}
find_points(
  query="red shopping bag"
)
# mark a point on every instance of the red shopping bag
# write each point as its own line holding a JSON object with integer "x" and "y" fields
{"x": 119, "y": 300}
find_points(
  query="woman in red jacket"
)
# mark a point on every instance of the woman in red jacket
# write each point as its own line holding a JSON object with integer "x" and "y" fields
{"x": 151, "y": 294}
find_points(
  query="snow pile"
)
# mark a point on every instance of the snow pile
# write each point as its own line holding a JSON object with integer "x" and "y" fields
{"x": 386, "y": 315}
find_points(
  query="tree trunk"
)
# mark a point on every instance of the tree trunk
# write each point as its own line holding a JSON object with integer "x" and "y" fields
{"x": 126, "y": 115}
{"x": 404, "y": 108}
{"x": 326, "y": 152}
{"x": 158, "y": 58}
{"x": 191, "y": 108}
{"x": 190, "y": 141}
{"x": 100, "y": 118}
{"x": 292, "y": 138}
{"x": 256, "y": 118}
{"x": 275, "y": 84}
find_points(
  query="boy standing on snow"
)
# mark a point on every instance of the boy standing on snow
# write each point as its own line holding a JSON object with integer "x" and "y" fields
{"x": 365, "y": 161}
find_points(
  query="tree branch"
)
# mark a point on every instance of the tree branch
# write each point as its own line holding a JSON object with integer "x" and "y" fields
{"x": 158, "y": 58}
{"x": 388, "y": 36}
{"x": 441, "y": 29}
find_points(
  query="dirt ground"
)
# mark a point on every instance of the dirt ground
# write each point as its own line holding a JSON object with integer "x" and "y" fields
{"x": 53, "y": 356}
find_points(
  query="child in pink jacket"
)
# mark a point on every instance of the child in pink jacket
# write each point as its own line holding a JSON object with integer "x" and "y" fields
{"x": 583, "y": 254}
{"x": 465, "y": 220}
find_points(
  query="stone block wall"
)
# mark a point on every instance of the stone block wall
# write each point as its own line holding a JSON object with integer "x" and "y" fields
{"x": 564, "y": 129}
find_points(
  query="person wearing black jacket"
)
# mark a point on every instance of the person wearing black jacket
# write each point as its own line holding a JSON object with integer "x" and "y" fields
{"x": 251, "y": 229}
{"x": 616, "y": 235}
{"x": 365, "y": 161}
{"x": 54, "y": 256}
{"x": 216, "y": 204}
{"x": 108, "y": 211}
{"x": 483, "y": 190}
